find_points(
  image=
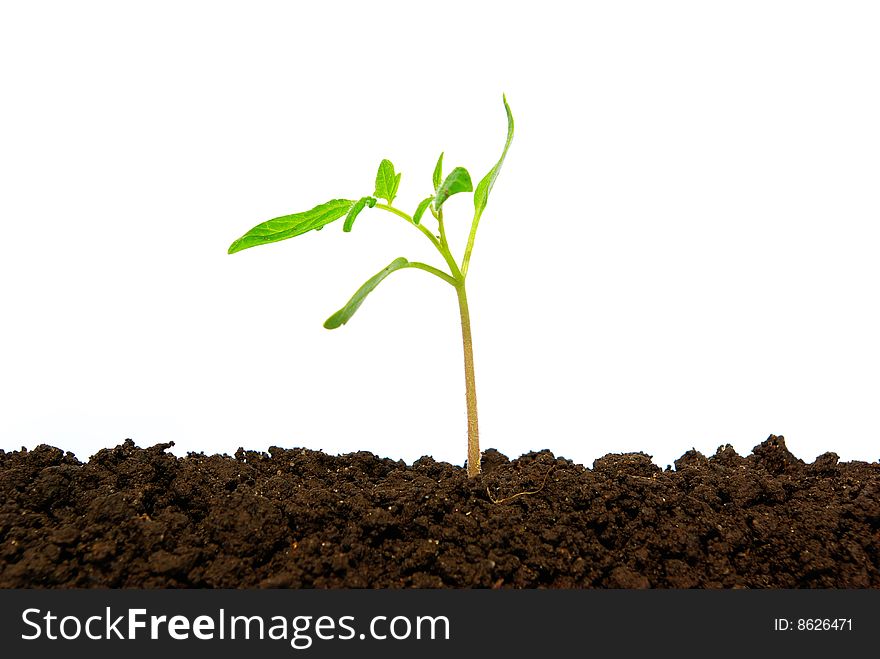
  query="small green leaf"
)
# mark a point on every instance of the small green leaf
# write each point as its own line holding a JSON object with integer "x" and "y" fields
{"x": 438, "y": 172}
{"x": 345, "y": 313}
{"x": 484, "y": 187}
{"x": 355, "y": 210}
{"x": 387, "y": 182}
{"x": 423, "y": 204}
{"x": 288, "y": 226}
{"x": 459, "y": 180}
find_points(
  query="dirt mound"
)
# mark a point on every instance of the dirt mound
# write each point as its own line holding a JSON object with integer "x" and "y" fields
{"x": 143, "y": 518}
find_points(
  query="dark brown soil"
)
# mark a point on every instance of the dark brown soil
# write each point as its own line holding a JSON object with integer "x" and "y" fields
{"x": 144, "y": 518}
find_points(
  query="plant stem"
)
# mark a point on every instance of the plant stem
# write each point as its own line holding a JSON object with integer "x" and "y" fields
{"x": 396, "y": 211}
{"x": 434, "y": 271}
{"x": 473, "y": 462}
{"x": 442, "y": 229}
{"x": 457, "y": 280}
{"x": 466, "y": 260}
{"x": 444, "y": 251}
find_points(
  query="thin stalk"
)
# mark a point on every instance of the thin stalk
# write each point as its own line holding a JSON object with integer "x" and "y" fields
{"x": 442, "y": 228}
{"x": 466, "y": 260}
{"x": 444, "y": 251}
{"x": 444, "y": 247}
{"x": 396, "y": 211}
{"x": 457, "y": 280}
{"x": 434, "y": 271}
{"x": 408, "y": 218}
{"x": 473, "y": 462}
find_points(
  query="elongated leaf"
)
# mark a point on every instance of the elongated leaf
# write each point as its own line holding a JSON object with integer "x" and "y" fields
{"x": 459, "y": 180}
{"x": 438, "y": 172}
{"x": 484, "y": 187}
{"x": 423, "y": 204}
{"x": 345, "y": 313}
{"x": 387, "y": 182}
{"x": 355, "y": 210}
{"x": 288, "y": 226}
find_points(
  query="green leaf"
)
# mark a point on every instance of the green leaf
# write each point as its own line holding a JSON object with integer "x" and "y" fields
{"x": 355, "y": 210}
{"x": 458, "y": 181}
{"x": 288, "y": 226}
{"x": 423, "y": 204}
{"x": 438, "y": 172}
{"x": 345, "y": 313}
{"x": 387, "y": 182}
{"x": 484, "y": 187}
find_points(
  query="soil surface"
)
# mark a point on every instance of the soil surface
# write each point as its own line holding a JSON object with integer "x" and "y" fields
{"x": 144, "y": 518}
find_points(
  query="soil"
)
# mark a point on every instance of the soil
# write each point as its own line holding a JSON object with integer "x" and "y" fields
{"x": 295, "y": 518}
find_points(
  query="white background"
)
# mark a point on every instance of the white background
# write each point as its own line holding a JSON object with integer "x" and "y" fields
{"x": 681, "y": 249}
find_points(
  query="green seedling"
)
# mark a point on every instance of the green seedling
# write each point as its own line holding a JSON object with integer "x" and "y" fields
{"x": 387, "y": 183}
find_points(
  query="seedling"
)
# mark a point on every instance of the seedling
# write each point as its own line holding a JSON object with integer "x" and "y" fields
{"x": 387, "y": 183}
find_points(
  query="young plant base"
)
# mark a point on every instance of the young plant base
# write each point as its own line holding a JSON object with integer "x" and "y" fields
{"x": 387, "y": 183}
